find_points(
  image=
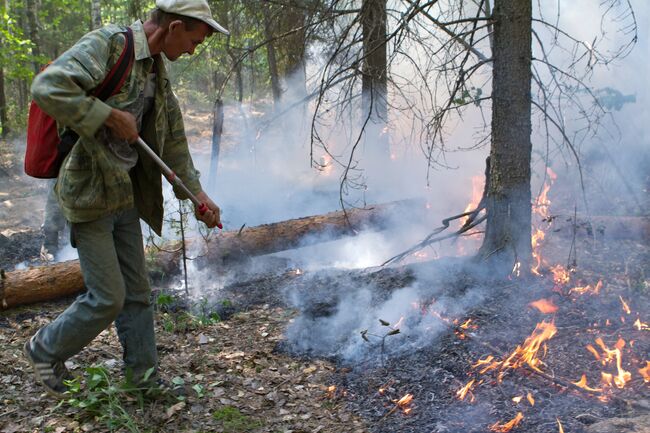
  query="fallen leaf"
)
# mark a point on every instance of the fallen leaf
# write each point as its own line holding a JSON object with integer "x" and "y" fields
{"x": 171, "y": 411}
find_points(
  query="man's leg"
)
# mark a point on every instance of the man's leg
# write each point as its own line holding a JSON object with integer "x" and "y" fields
{"x": 94, "y": 310}
{"x": 135, "y": 326}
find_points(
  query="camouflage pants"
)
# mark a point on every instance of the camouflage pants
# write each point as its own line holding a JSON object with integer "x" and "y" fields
{"x": 113, "y": 267}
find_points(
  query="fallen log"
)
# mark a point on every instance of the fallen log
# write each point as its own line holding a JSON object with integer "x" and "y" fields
{"x": 40, "y": 284}
{"x": 61, "y": 279}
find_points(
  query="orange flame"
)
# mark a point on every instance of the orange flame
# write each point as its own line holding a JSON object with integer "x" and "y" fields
{"x": 477, "y": 193}
{"x": 588, "y": 289}
{"x": 561, "y": 275}
{"x": 594, "y": 352}
{"x": 466, "y": 325}
{"x": 530, "y": 399}
{"x": 462, "y": 393}
{"x": 545, "y": 306}
{"x": 541, "y": 208}
{"x": 536, "y": 241}
{"x": 523, "y": 354}
{"x": 626, "y": 308}
{"x": 527, "y": 354}
{"x": 502, "y": 428}
{"x": 331, "y": 391}
{"x": 406, "y": 399}
{"x": 487, "y": 361}
{"x": 582, "y": 383}
{"x": 622, "y": 376}
{"x": 404, "y": 402}
{"x": 559, "y": 426}
{"x": 641, "y": 326}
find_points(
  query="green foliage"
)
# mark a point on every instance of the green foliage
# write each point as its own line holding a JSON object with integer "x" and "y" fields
{"x": 15, "y": 49}
{"x": 199, "y": 389}
{"x": 103, "y": 399}
{"x": 184, "y": 321}
{"x": 164, "y": 300}
{"x": 234, "y": 421}
{"x": 197, "y": 79}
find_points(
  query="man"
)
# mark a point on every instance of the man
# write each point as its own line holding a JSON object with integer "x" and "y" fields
{"x": 104, "y": 185}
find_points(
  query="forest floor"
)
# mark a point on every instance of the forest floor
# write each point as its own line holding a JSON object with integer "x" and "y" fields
{"x": 242, "y": 374}
{"x": 235, "y": 380}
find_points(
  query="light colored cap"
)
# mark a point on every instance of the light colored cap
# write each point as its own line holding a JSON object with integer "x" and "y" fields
{"x": 198, "y": 9}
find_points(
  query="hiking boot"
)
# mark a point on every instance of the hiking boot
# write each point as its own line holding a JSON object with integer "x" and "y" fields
{"x": 61, "y": 370}
{"x": 49, "y": 374}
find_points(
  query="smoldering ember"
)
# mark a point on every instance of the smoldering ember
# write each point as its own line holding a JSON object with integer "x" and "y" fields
{"x": 433, "y": 216}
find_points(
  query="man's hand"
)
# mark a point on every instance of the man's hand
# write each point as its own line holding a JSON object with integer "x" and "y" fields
{"x": 123, "y": 125}
{"x": 212, "y": 217}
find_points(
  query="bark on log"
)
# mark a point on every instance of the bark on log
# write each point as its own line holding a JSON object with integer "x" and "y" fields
{"x": 40, "y": 284}
{"x": 61, "y": 279}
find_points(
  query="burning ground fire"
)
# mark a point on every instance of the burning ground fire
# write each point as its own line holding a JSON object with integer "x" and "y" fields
{"x": 533, "y": 354}
{"x": 528, "y": 356}
{"x": 619, "y": 367}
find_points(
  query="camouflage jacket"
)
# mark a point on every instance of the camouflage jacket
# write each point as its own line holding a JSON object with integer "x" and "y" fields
{"x": 92, "y": 183}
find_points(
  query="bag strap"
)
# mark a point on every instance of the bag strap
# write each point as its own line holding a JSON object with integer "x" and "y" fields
{"x": 118, "y": 73}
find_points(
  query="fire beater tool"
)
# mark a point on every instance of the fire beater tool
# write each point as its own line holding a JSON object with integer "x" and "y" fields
{"x": 172, "y": 178}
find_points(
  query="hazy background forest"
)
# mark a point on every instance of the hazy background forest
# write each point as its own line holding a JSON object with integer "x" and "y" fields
{"x": 293, "y": 77}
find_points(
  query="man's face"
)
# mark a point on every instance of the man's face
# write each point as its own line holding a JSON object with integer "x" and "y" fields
{"x": 180, "y": 41}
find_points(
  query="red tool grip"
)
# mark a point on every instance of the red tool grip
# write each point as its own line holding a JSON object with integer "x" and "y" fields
{"x": 203, "y": 209}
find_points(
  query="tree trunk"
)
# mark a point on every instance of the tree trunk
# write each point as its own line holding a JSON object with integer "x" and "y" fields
{"x": 239, "y": 78}
{"x": 23, "y": 92}
{"x": 508, "y": 230}
{"x": 294, "y": 47}
{"x": 32, "y": 22}
{"x": 270, "y": 54}
{"x": 62, "y": 279}
{"x": 95, "y": 14}
{"x": 3, "y": 94}
{"x": 217, "y": 129}
{"x": 374, "y": 70}
{"x": 3, "y": 105}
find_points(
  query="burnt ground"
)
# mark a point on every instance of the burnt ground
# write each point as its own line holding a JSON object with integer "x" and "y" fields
{"x": 246, "y": 362}
{"x": 243, "y": 373}
{"x": 371, "y": 384}
{"x": 434, "y": 373}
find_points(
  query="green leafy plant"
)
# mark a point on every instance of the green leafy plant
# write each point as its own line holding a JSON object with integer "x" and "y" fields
{"x": 103, "y": 399}
{"x": 164, "y": 300}
{"x": 205, "y": 316}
